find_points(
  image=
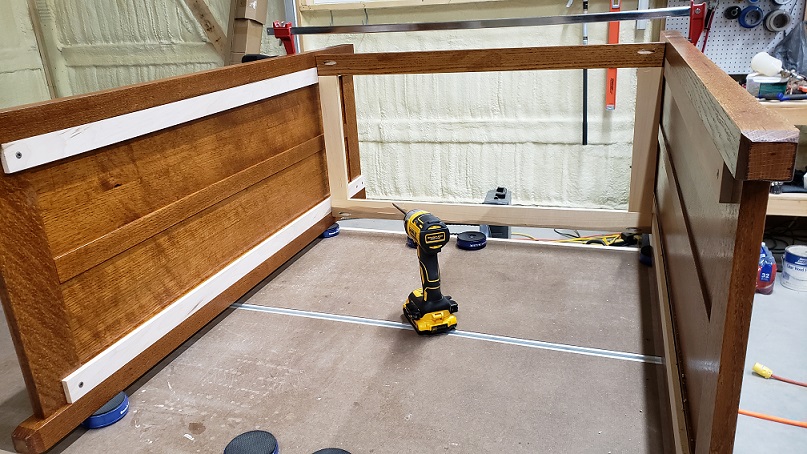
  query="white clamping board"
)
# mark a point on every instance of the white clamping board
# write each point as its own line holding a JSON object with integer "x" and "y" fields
{"x": 730, "y": 45}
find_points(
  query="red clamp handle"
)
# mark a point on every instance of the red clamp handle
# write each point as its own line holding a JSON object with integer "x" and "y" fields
{"x": 697, "y": 20}
{"x": 283, "y": 33}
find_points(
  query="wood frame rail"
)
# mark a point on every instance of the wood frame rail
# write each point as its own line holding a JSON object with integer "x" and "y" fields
{"x": 648, "y": 56}
{"x": 117, "y": 244}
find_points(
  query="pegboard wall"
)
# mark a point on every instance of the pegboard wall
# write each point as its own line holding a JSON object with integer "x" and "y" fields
{"x": 730, "y": 45}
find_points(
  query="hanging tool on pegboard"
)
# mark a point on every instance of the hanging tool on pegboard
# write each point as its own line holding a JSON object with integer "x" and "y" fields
{"x": 610, "y": 73}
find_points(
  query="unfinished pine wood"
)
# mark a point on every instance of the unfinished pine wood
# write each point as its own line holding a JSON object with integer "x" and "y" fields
{"x": 678, "y": 418}
{"x": 477, "y": 60}
{"x": 787, "y": 205}
{"x": 755, "y": 143}
{"x": 31, "y": 297}
{"x": 103, "y": 307}
{"x": 515, "y": 215}
{"x": 36, "y": 435}
{"x": 645, "y": 139}
{"x": 100, "y": 204}
{"x": 214, "y": 32}
{"x": 40, "y": 118}
{"x": 330, "y": 95}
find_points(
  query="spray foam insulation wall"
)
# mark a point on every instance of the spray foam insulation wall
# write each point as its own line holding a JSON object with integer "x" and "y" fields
{"x": 98, "y": 44}
{"x": 455, "y": 136}
{"x": 22, "y": 77}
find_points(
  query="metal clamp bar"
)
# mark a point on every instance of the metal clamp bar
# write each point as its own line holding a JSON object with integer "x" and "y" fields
{"x": 657, "y": 13}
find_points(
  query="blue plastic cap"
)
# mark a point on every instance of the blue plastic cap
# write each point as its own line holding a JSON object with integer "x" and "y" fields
{"x": 109, "y": 414}
{"x": 331, "y": 231}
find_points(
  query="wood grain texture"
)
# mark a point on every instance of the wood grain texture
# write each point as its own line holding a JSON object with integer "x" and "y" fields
{"x": 36, "y": 435}
{"x": 755, "y": 144}
{"x": 712, "y": 226}
{"x": 27, "y": 121}
{"x": 99, "y": 204}
{"x": 644, "y": 160}
{"x": 678, "y": 418}
{"x": 477, "y": 60}
{"x": 31, "y": 297}
{"x": 689, "y": 317}
{"x": 728, "y": 334}
{"x": 787, "y": 205}
{"x": 515, "y": 215}
{"x": 213, "y": 30}
{"x": 351, "y": 128}
{"x": 103, "y": 306}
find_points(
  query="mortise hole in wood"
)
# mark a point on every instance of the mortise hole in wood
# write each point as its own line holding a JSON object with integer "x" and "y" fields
{"x": 329, "y": 63}
{"x": 646, "y": 52}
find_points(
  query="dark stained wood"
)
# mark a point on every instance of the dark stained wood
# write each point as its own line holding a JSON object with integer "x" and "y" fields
{"x": 34, "y": 119}
{"x": 31, "y": 297}
{"x": 35, "y": 435}
{"x": 98, "y": 204}
{"x": 755, "y": 143}
{"x": 689, "y": 316}
{"x": 712, "y": 226}
{"x": 477, "y": 60}
{"x": 728, "y": 337}
{"x": 351, "y": 128}
{"x": 103, "y": 306}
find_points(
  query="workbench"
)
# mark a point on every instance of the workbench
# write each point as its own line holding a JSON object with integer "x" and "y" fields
{"x": 131, "y": 218}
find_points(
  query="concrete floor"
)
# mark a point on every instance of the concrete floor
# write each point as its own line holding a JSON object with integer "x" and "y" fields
{"x": 357, "y": 385}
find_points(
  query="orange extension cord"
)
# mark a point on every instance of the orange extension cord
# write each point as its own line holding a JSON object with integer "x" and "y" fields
{"x": 791, "y": 422}
{"x": 787, "y": 380}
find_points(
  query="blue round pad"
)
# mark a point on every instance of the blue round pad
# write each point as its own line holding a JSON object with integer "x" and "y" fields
{"x": 112, "y": 412}
{"x": 253, "y": 442}
{"x": 410, "y": 243}
{"x": 331, "y": 232}
{"x": 471, "y": 241}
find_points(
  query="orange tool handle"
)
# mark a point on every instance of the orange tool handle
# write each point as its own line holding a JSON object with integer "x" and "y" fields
{"x": 610, "y": 73}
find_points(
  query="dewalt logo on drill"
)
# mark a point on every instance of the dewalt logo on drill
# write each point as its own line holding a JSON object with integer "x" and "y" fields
{"x": 435, "y": 237}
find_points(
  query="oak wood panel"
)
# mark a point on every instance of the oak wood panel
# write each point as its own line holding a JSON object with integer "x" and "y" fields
{"x": 85, "y": 257}
{"x": 39, "y": 118}
{"x": 477, "y": 60}
{"x": 36, "y": 435}
{"x": 701, "y": 172}
{"x": 689, "y": 317}
{"x": 351, "y": 128}
{"x": 92, "y": 204}
{"x": 31, "y": 297}
{"x": 111, "y": 299}
{"x": 755, "y": 143}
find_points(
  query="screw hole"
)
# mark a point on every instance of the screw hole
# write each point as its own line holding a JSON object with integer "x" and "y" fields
{"x": 18, "y": 155}
{"x": 81, "y": 384}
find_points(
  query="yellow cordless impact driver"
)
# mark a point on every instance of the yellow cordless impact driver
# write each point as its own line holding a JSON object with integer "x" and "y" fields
{"x": 428, "y": 310}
